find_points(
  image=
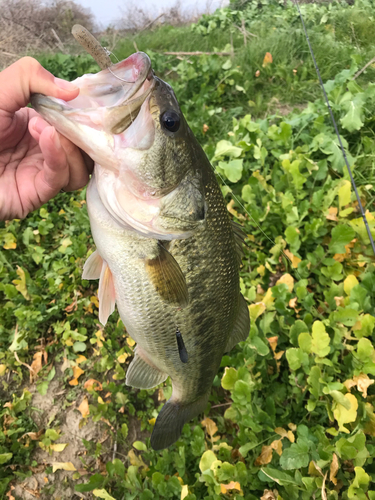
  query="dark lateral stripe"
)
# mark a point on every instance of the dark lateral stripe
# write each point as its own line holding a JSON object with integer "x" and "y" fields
{"x": 181, "y": 347}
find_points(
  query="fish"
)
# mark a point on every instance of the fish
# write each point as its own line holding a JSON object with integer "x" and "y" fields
{"x": 167, "y": 253}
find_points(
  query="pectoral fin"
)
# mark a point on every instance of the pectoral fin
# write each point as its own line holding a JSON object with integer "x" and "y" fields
{"x": 142, "y": 375}
{"x": 241, "y": 327}
{"x": 107, "y": 294}
{"x": 92, "y": 267}
{"x": 168, "y": 279}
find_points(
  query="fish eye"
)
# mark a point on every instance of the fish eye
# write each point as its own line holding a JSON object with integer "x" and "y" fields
{"x": 170, "y": 120}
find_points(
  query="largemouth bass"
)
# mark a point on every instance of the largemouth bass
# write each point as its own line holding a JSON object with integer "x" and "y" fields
{"x": 167, "y": 253}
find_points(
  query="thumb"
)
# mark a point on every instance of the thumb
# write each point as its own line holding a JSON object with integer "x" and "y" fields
{"x": 26, "y": 77}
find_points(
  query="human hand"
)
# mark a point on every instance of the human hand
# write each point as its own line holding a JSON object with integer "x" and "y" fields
{"x": 36, "y": 162}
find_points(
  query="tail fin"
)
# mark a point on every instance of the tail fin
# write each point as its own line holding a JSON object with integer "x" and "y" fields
{"x": 171, "y": 419}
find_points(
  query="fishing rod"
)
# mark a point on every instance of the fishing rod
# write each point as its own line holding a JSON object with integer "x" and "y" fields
{"x": 363, "y": 214}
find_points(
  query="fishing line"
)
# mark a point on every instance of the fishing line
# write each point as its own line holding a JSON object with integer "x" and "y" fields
{"x": 363, "y": 214}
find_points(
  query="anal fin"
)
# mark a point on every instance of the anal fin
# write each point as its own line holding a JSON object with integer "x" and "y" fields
{"x": 168, "y": 279}
{"x": 241, "y": 327}
{"x": 142, "y": 375}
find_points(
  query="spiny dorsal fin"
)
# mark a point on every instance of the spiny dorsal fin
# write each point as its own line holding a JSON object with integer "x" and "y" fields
{"x": 92, "y": 267}
{"x": 241, "y": 327}
{"x": 142, "y": 375}
{"x": 168, "y": 279}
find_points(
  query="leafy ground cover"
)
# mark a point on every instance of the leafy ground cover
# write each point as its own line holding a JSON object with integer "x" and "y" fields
{"x": 291, "y": 414}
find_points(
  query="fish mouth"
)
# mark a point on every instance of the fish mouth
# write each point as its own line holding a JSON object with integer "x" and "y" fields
{"x": 108, "y": 103}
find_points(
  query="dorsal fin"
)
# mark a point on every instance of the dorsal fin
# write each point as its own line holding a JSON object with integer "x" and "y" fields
{"x": 241, "y": 327}
{"x": 168, "y": 279}
{"x": 239, "y": 238}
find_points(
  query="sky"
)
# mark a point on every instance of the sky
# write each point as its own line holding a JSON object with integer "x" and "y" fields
{"x": 108, "y": 11}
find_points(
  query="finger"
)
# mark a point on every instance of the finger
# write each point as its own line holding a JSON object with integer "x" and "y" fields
{"x": 55, "y": 173}
{"x": 36, "y": 127}
{"x": 26, "y": 77}
{"x": 79, "y": 166}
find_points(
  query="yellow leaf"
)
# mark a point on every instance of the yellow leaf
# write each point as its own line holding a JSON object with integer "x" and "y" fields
{"x": 184, "y": 491}
{"x": 77, "y": 372}
{"x": 10, "y": 242}
{"x": 293, "y": 258}
{"x": 3, "y": 369}
{"x": 334, "y": 469}
{"x": 63, "y": 466}
{"x": 84, "y": 408}
{"x": 210, "y": 426}
{"x": 123, "y": 357}
{"x": 332, "y": 213}
{"x": 256, "y": 310}
{"x": 100, "y": 400}
{"x": 288, "y": 280}
{"x": 36, "y": 365}
{"x": 270, "y": 495}
{"x": 130, "y": 341}
{"x": 362, "y": 381}
{"x": 292, "y": 303}
{"x": 137, "y": 461}
{"x": 344, "y": 416}
{"x": 273, "y": 342}
{"x": 58, "y": 446}
{"x": 344, "y": 194}
{"x": 265, "y": 457}
{"x": 277, "y": 445}
{"x": 267, "y": 59}
{"x": 261, "y": 270}
{"x": 268, "y": 299}
{"x": 350, "y": 282}
{"x": 95, "y": 301}
{"x": 21, "y": 283}
{"x": 93, "y": 385}
{"x": 80, "y": 359}
{"x": 339, "y": 301}
{"x": 283, "y": 433}
{"x": 224, "y": 488}
{"x": 152, "y": 421}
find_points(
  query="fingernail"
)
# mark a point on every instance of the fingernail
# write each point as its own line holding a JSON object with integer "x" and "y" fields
{"x": 38, "y": 125}
{"x": 63, "y": 84}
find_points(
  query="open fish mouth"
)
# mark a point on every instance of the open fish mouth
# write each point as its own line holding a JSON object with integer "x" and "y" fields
{"x": 108, "y": 103}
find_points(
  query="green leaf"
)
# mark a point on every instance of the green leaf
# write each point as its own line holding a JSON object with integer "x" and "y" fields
{"x": 138, "y": 445}
{"x": 5, "y": 457}
{"x": 229, "y": 378}
{"x": 102, "y": 494}
{"x": 207, "y": 459}
{"x": 79, "y": 347}
{"x": 365, "y": 349}
{"x": 341, "y": 236}
{"x": 320, "y": 340}
{"x": 226, "y": 148}
{"x": 346, "y": 316}
{"x": 305, "y": 342}
{"x": 232, "y": 169}
{"x": 353, "y": 119}
{"x": 296, "y": 456}
{"x": 296, "y": 358}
